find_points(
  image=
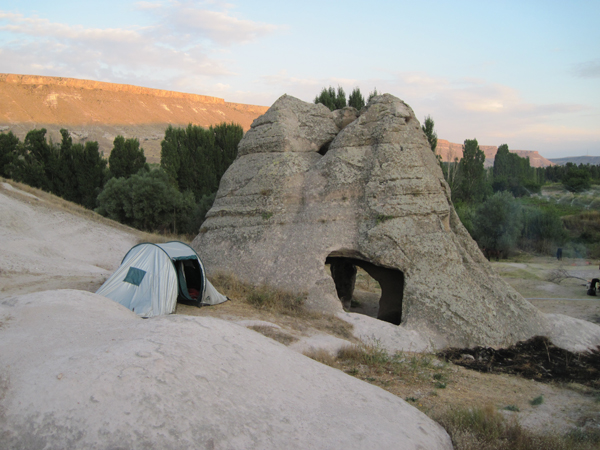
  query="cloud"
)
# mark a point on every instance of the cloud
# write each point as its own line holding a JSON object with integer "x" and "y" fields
{"x": 180, "y": 48}
{"x": 470, "y": 107}
{"x": 589, "y": 69}
{"x": 187, "y": 20}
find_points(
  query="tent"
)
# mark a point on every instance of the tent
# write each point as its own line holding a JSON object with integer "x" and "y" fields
{"x": 152, "y": 278}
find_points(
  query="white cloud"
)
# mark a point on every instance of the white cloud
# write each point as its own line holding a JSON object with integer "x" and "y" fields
{"x": 182, "y": 45}
{"x": 188, "y": 21}
{"x": 468, "y": 108}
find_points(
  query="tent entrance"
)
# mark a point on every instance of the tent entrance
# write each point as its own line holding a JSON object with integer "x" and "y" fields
{"x": 391, "y": 281}
{"x": 190, "y": 281}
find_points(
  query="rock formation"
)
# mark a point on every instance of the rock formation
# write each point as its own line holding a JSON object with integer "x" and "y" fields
{"x": 310, "y": 189}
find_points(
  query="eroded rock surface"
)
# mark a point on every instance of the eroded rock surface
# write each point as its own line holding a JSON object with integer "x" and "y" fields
{"x": 78, "y": 370}
{"x": 310, "y": 189}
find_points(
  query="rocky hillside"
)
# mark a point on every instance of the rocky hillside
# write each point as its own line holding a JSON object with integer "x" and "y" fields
{"x": 449, "y": 151}
{"x": 98, "y": 111}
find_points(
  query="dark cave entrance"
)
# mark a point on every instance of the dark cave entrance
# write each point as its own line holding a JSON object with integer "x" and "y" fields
{"x": 344, "y": 273}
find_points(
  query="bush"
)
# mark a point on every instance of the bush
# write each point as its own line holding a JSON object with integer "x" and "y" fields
{"x": 543, "y": 230}
{"x": 497, "y": 222}
{"x": 576, "y": 179}
{"x": 146, "y": 201}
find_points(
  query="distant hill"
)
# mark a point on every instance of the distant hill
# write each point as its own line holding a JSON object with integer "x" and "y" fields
{"x": 449, "y": 151}
{"x": 592, "y": 160}
{"x": 98, "y": 111}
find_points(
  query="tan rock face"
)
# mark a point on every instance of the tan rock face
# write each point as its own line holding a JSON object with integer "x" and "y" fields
{"x": 303, "y": 194}
{"x": 98, "y": 111}
{"x": 450, "y": 152}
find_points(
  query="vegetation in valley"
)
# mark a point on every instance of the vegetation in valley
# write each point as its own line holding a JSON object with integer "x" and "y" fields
{"x": 172, "y": 198}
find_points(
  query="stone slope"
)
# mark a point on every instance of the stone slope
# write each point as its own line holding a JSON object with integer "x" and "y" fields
{"x": 80, "y": 371}
{"x": 100, "y": 111}
{"x": 306, "y": 192}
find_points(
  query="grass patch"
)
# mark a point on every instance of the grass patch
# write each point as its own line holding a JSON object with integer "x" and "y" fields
{"x": 486, "y": 429}
{"x": 537, "y": 401}
{"x": 372, "y": 363}
{"x": 380, "y": 218}
{"x": 267, "y": 215}
{"x": 509, "y": 272}
{"x": 513, "y": 408}
{"x": 284, "y": 307}
{"x": 322, "y": 356}
{"x": 262, "y": 297}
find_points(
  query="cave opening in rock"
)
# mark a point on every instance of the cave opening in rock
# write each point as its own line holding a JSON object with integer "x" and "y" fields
{"x": 389, "y": 282}
{"x": 324, "y": 148}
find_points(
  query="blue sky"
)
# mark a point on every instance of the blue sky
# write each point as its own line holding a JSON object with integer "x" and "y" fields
{"x": 525, "y": 73}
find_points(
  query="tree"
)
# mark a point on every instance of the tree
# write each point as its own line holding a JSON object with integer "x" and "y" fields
{"x": 90, "y": 173}
{"x": 126, "y": 157}
{"x": 427, "y": 128}
{"x": 372, "y": 94}
{"x": 577, "y": 179}
{"x": 8, "y": 152}
{"x": 497, "y": 223}
{"x": 356, "y": 99}
{"x": 34, "y": 162}
{"x": 513, "y": 173}
{"x": 472, "y": 173}
{"x": 543, "y": 229}
{"x": 196, "y": 158}
{"x": 329, "y": 98}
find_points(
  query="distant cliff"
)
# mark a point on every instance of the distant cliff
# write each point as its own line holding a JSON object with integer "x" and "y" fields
{"x": 592, "y": 160}
{"x": 99, "y": 111}
{"x": 449, "y": 151}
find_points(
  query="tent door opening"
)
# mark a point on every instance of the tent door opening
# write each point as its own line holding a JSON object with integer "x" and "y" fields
{"x": 344, "y": 273}
{"x": 189, "y": 277}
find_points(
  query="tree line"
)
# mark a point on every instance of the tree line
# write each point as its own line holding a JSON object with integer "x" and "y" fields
{"x": 337, "y": 99}
{"x": 172, "y": 197}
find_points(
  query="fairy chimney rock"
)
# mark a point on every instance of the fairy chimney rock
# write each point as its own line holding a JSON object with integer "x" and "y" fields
{"x": 313, "y": 188}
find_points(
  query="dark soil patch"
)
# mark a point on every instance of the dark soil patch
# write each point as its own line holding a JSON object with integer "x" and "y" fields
{"x": 537, "y": 359}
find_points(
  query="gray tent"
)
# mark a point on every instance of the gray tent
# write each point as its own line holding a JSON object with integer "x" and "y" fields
{"x": 152, "y": 278}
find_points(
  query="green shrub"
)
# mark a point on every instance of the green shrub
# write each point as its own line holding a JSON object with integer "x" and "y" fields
{"x": 537, "y": 401}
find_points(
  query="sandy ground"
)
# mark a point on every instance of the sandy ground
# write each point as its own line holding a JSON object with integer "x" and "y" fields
{"x": 46, "y": 243}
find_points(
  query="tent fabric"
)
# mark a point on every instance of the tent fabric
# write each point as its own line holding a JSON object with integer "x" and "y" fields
{"x": 153, "y": 277}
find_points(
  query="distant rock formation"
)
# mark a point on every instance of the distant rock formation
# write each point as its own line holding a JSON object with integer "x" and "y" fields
{"x": 449, "y": 151}
{"x": 311, "y": 188}
{"x": 98, "y": 111}
{"x": 592, "y": 160}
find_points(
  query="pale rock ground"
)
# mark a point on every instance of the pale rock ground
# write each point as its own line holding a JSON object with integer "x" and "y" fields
{"x": 45, "y": 247}
{"x": 78, "y": 370}
{"x": 98, "y": 376}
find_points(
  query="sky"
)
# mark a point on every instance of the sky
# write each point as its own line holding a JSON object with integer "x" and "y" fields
{"x": 525, "y": 73}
